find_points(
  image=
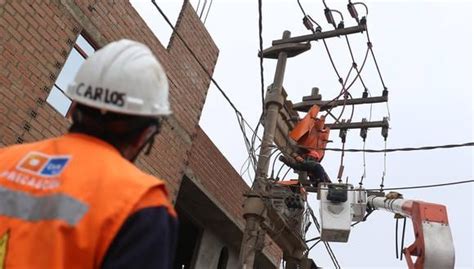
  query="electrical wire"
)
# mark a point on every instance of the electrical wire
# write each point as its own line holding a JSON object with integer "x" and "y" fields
{"x": 301, "y": 7}
{"x": 339, "y": 79}
{"x": 403, "y": 237}
{"x": 207, "y": 13}
{"x": 364, "y": 166}
{"x": 239, "y": 114}
{"x": 425, "y": 186}
{"x": 240, "y": 117}
{"x": 196, "y": 58}
{"x": 274, "y": 162}
{"x": 370, "y": 44}
{"x": 344, "y": 93}
{"x": 273, "y": 152}
{"x": 254, "y": 136}
{"x": 313, "y": 239}
{"x": 362, "y": 4}
{"x": 325, "y": 45}
{"x": 365, "y": 217}
{"x": 260, "y": 38}
{"x": 354, "y": 63}
{"x": 203, "y": 7}
{"x": 344, "y": 108}
{"x": 345, "y": 90}
{"x": 287, "y": 171}
{"x": 343, "y": 83}
{"x": 198, "y": 4}
{"x": 406, "y": 149}
{"x": 452, "y": 183}
{"x": 396, "y": 238}
{"x": 241, "y": 171}
{"x": 341, "y": 165}
{"x": 370, "y": 47}
{"x": 247, "y": 169}
{"x": 325, "y": 5}
{"x": 384, "y": 173}
{"x": 359, "y": 71}
{"x": 315, "y": 243}
{"x": 364, "y": 175}
{"x": 279, "y": 170}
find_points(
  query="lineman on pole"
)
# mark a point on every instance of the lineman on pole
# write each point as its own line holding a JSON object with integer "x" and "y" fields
{"x": 77, "y": 201}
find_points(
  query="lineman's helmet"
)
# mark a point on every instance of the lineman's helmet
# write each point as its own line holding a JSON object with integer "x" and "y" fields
{"x": 123, "y": 77}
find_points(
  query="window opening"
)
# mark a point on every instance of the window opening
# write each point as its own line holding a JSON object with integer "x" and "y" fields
{"x": 57, "y": 97}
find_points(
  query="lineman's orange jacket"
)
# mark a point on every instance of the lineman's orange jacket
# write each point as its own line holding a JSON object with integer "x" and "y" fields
{"x": 63, "y": 201}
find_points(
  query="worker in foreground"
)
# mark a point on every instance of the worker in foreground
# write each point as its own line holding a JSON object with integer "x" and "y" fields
{"x": 77, "y": 201}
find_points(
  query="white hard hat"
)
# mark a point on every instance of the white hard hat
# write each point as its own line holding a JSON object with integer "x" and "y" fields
{"x": 123, "y": 77}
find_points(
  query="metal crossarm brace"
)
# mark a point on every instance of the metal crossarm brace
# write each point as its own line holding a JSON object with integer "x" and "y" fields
{"x": 326, "y": 105}
{"x": 359, "y": 125}
{"x": 322, "y": 35}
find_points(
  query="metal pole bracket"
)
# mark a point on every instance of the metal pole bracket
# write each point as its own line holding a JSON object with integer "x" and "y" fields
{"x": 291, "y": 49}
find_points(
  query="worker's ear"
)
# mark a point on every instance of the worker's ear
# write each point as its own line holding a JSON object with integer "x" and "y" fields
{"x": 144, "y": 139}
{"x": 147, "y": 134}
{"x": 147, "y": 137}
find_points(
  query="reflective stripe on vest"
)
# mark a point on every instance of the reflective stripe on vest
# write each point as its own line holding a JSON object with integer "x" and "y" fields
{"x": 25, "y": 206}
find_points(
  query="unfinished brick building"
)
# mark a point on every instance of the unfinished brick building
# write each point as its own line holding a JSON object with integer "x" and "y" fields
{"x": 39, "y": 41}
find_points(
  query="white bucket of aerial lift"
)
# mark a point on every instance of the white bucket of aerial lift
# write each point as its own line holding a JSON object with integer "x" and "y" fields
{"x": 336, "y": 217}
{"x": 123, "y": 77}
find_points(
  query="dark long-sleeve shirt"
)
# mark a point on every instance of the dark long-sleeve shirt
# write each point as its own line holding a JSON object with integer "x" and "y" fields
{"x": 315, "y": 170}
{"x": 146, "y": 240}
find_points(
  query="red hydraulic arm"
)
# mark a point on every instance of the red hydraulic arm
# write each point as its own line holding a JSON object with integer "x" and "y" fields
{"x": 433, "y": 244}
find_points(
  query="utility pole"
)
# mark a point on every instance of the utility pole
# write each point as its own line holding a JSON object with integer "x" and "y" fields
{"x": 256, "y": 209}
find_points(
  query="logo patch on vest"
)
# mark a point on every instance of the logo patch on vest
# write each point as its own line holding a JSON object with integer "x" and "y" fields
{"x": 43, "y": 165}
{"x": 3, "y": 248}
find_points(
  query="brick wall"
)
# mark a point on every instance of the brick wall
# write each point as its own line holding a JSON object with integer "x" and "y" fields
{"x": 35, "y": 40}
{"x": 33, "y": 47}
{"x": 212, "y": 170}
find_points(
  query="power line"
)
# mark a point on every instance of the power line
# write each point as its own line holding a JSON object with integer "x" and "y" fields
{"x": 370, "y": 47}
{"x": 437, "y": 185}
{"x": 239, "y": 114}
{"x": 423, "y": 148}
{"x": 207, "y": 13}
{"x": 203, "y": 8}
{"x": 339, "y": 78}
{"x": 424, "y": 186}
{"x": 370, "y": 44}
{"x": 355, "y": 64}
{"x": 260, "y": 36}
{"x": 197, "y": 7}
{"x": 307, "y": 22}
{"x": 195, "y": 57}
{"x": 403, "y": 237}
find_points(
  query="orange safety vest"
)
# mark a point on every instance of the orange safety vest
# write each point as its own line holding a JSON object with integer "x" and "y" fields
{"x": 63, "y": 200}
{"x": 311, "y": 132}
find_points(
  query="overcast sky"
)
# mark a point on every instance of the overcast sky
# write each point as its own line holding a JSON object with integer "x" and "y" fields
{"x": 424, "y": 49}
